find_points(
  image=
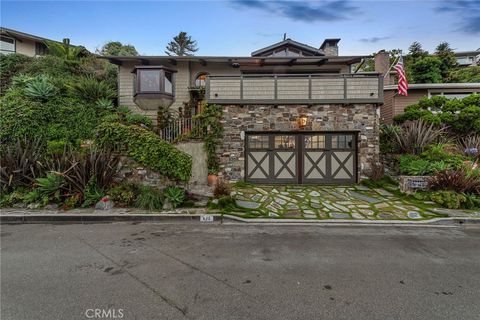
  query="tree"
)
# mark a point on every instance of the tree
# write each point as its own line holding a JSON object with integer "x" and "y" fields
{"x": 449, "y": 61}
{"x": 65, "y": 50}
{"x": 116, "y": 48}
{"x": 426, "y": 70}
{"x": 416, "y": 51}
{"x": 182, "y": 45}
{"x": 468, "y": 74}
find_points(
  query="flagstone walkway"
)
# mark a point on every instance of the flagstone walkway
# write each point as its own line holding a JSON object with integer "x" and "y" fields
{"x": 327, "y": 202}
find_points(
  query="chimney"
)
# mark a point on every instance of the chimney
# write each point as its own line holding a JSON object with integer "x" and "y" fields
{"x": 382, "y": 64}
{"x": 330, "y": 47}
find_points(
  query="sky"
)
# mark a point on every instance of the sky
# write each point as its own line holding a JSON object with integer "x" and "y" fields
{"x": 238, "y": 27}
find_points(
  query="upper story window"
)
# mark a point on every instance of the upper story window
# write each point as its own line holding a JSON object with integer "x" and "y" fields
{"x": 201, "y": 80}
{"x": 7, "y": 45}
{"x": 154, "y": 79}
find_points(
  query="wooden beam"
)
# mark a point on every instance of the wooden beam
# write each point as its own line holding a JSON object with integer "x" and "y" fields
{"x": 292, "y": 62}
{"x": 173, "y": 62}
{"x": 203, "y": 62}
{"x": 115, "y": 61}
{"x": 145, "y": 62}
{"x": 321, "y": 62}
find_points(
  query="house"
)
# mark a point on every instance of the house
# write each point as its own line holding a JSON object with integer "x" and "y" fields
{"x": 395, "y": 104}
{"x": 292, "y": 113}
{"x": 468, "y": 58}
{"x": 13, "y": 41}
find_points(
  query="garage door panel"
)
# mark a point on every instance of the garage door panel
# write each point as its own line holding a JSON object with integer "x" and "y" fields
{"x": 342, "y": 165}
{"x": 315, "y": 165}
{"x": 258, "y": 165}
{"x": 285, "y": 165}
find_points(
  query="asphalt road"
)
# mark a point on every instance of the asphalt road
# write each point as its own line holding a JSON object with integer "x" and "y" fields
{"x": 211, "y": 271}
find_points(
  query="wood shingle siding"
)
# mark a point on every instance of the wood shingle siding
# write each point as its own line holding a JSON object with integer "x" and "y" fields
{"x": 295, "y": 89}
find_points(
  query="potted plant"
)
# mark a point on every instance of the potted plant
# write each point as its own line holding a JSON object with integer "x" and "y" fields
{"x": 212, "y": 177}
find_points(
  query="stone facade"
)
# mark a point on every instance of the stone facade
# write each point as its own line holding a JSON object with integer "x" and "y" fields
{"x": 239, "y": 119}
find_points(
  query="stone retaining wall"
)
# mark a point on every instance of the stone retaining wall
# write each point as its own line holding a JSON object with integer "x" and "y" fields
{"x": 133, "y": 171}
{"x": 238, "y": 119}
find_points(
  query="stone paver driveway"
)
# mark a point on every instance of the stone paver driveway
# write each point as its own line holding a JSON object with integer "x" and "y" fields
{"x": 327, "y": 202}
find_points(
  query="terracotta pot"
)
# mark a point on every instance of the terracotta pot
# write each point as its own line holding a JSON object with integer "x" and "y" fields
{"x": 212, "y": 179}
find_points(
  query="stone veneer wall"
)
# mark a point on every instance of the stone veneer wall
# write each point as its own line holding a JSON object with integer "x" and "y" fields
{"x": 238, "y": 119}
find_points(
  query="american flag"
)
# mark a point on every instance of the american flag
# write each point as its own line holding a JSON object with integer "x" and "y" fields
{"x": 402, "y": 78}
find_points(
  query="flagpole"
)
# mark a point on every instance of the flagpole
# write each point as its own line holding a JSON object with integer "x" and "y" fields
{"x": 391, "y": 66}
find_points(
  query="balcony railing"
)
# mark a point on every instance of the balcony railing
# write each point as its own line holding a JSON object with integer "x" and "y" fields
{"x": 295, "y": 89}
{"x": 182, "y": 127}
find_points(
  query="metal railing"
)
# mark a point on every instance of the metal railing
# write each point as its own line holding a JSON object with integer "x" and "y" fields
{"x": 181, "y": 127}
{"x": 295, "y": 88}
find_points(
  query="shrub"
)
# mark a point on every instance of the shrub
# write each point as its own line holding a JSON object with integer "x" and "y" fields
{"x": 20, "y": 164}
{"x": 413, "y": 166}
{"x": 124, "y": 194}
{"x": 138, "y": 119}
{"x": 449, "y": 199}
{"x": 469, "y": 145}
{"x": 416, "y": 135}
{"x": 175, "y": 196}
{"x": 388, "y": 141}
{"x": 461, "y": 180}
{"x": 376, "y": 171}
{"x": 92, "y": 192}
{"x": 148, "y": 149}
{"x": 149, "y": 198}
{"x": 91, "y": 90}
{"x": 222, "y": 188}
{"x": 40, "y": 88}
{"x": 10, "y": 65}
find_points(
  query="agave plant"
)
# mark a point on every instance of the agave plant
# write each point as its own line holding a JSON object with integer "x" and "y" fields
{"x": 175, "y": 195}
{"x": 40, "y": 88}
{"x": 104, "y": 104}
{"x": 64, "y": 49}
{"x": 414, "y": 136}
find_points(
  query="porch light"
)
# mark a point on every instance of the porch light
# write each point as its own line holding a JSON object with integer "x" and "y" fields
{"x": 302, "y": 121}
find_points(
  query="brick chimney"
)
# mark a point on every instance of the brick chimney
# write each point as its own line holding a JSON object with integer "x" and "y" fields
{"x": 382, "y": 64}
{"x": 330, "y": 47}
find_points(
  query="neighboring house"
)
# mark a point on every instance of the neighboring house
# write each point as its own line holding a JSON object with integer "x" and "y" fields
{"x": 292, "y": 113}
{"x": 13, "y": 41}
{"x": 394, "y": 104}
{"x": 468, "y": 58}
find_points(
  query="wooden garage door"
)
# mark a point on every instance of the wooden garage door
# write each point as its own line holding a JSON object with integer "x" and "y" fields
{"x": 290, "y": 157}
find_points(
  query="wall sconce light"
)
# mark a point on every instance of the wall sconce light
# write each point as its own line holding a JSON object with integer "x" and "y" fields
{"x": 302, "y": 121}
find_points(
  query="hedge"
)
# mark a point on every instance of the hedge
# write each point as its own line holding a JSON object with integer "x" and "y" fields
{"x": 148, "y": 149}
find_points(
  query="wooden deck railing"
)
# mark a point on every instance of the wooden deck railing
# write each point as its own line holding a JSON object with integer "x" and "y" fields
{"x": 295, "y": 89}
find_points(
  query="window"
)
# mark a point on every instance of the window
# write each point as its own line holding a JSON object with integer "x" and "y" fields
{"x": 201, "y": 80}
{"x": 342, "y": 141}
{"x": 7, "y": 45}
{"x": 258, "y": 142}
{"x": 40, "y": 48}
{"x": 315, "y": 142}
{"x": 285, "y": 142}
{"x": 149, "y": 80}
{"x": 154, "y": 80}
{"x": 168, "y": 82}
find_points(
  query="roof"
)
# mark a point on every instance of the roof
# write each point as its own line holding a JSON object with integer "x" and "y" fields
{"x": 463, "y": 53}
{"x": 436, "y": 86}
{"x": 18, "y": 34}
{"x": 309, "y": 60}
{"x": 289, "y": 42}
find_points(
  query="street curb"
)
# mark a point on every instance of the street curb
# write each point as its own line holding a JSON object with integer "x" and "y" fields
{"x": 174, "y": 217}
